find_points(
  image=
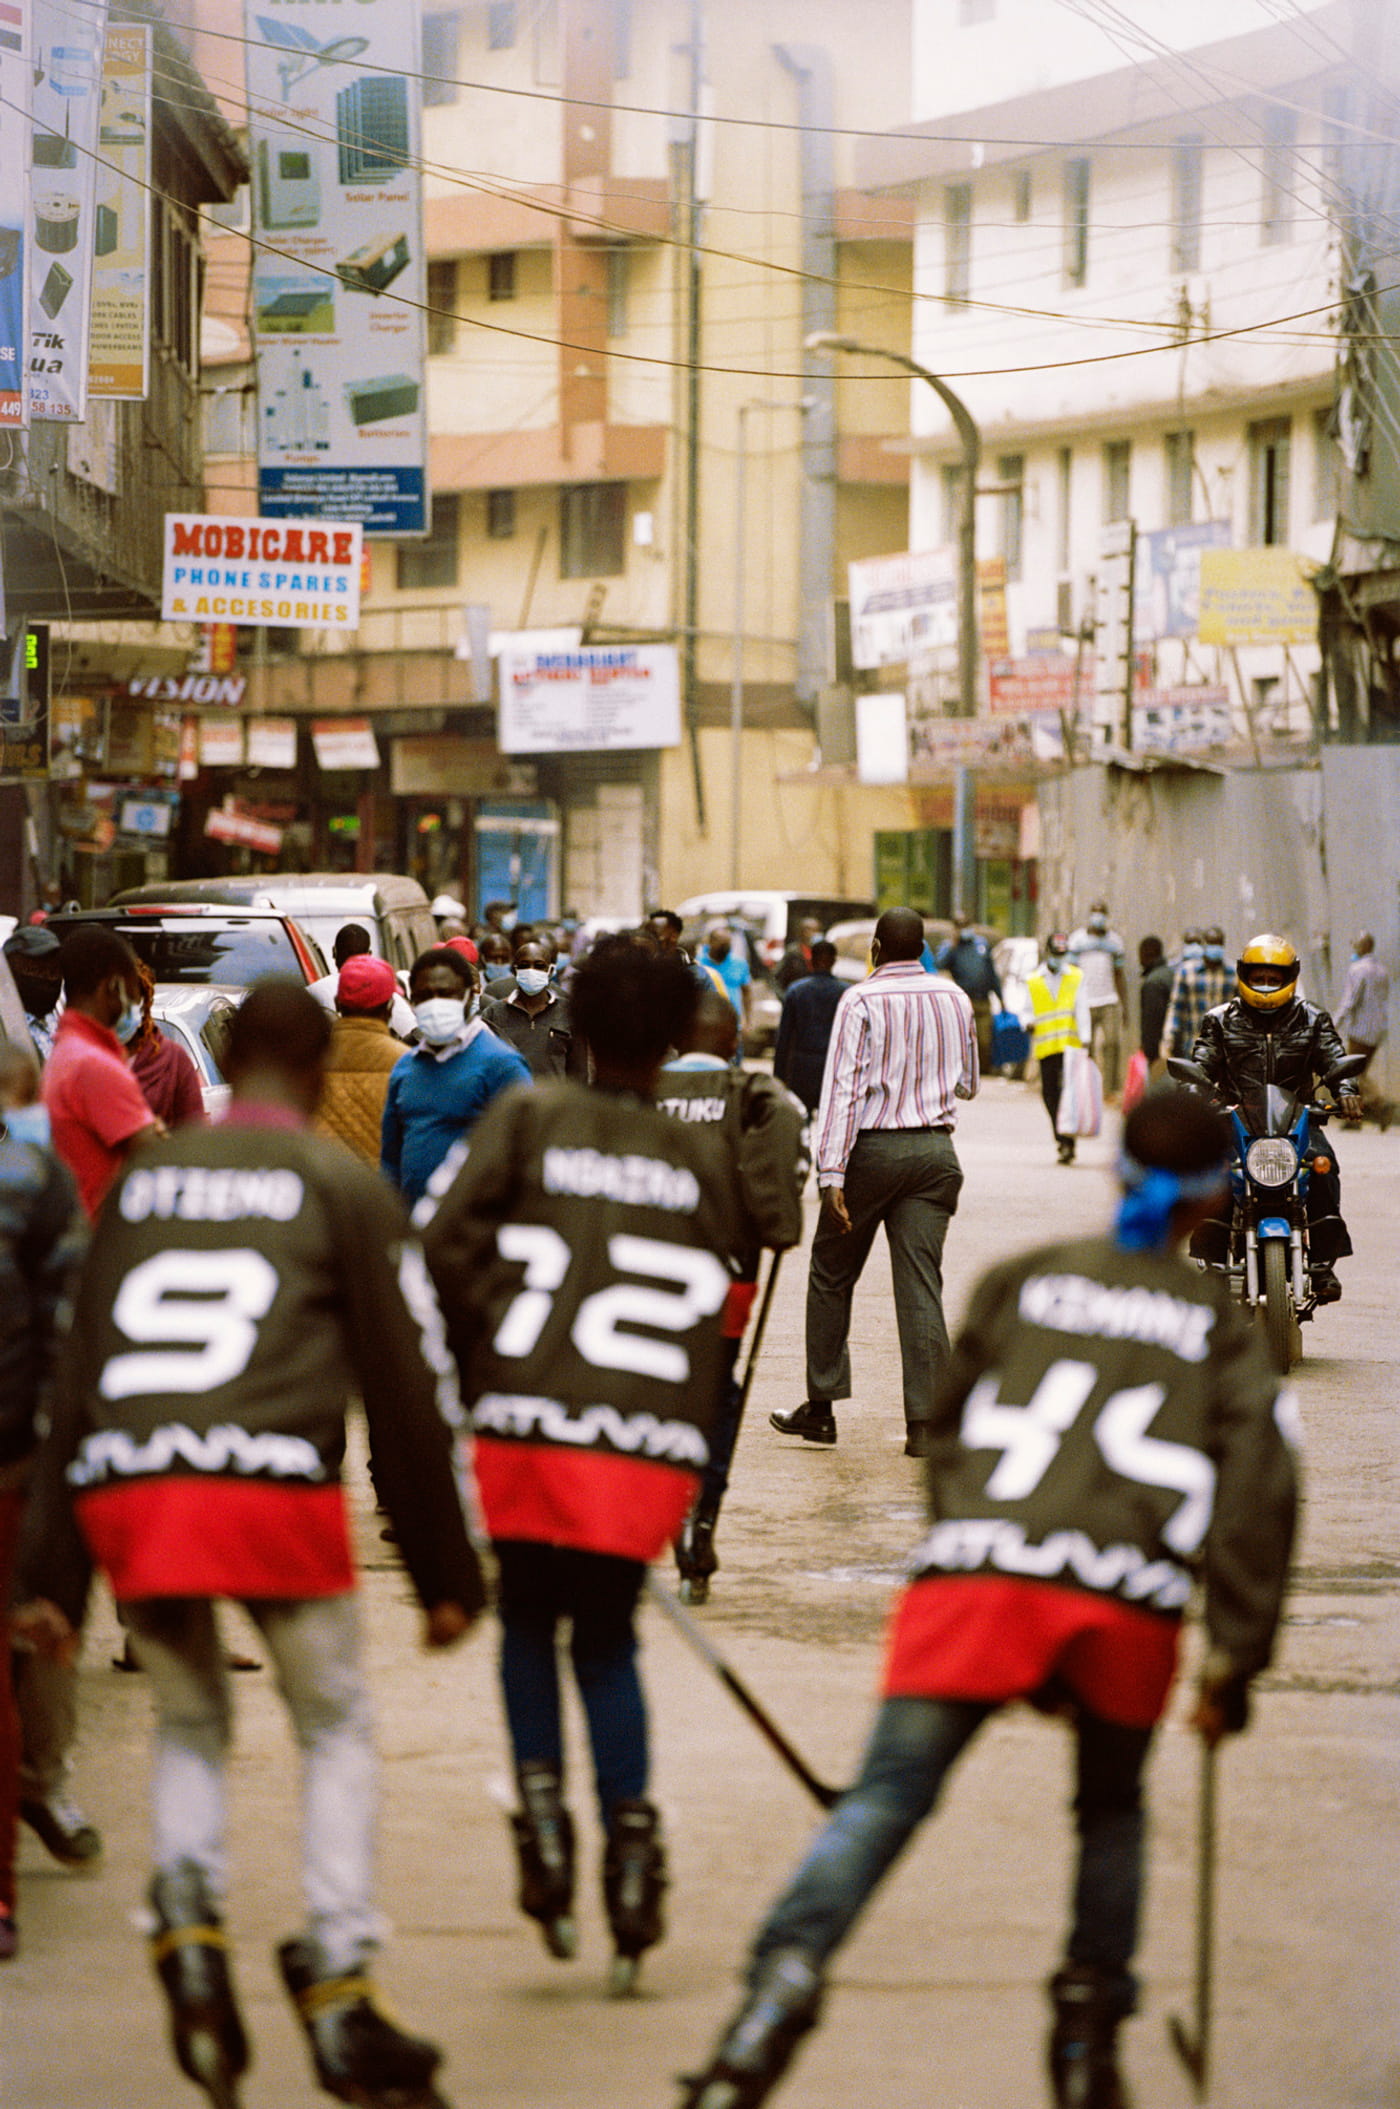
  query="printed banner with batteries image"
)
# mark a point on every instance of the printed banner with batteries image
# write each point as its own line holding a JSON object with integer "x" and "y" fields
{"x": 16, "y": 76}
{"x": 66, "y": 106}
{"x": 303, "y": 574}
{"x": 339, "y": 274}
{"x": 119, "y": 335}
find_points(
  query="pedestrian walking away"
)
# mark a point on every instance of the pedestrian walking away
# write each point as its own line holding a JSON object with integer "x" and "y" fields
{"x": 579, "y": 1244}
{"x": 805, "y": 1026}
{"x": 1364, "y": 1016}
{"x": 32, "y": 953}
{"x": 1059, "y": 1021}
{"x": 1203, "y": 982}
{"x": 1099, "y": 953}
{"x": 1154, "y": 998}
{"x": 212, "y": 1468}
{"x": 362, "y": 1056}
{"x": 759, "y": 1133}
{"x": 733, "y": 970}
{"x": 903, "y": 1052}
{"x": 167, "y": 1076}
{"x": 353, "y": 941}
{"x": 968, "y": 961}
{"x": 1108, "y": 1429}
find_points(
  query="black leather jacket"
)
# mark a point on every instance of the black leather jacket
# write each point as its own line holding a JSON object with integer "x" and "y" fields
{"x": 41, "y": 1241}
{"x": 1242, "y": 1049}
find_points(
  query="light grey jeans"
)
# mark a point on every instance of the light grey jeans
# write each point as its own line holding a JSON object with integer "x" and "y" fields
{"x": 315, "y": 1647}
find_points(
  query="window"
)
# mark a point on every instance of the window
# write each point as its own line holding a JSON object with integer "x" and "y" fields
{"x": 592, "y": 520}
{"x": 440, "y": 57}
{"x": 957, "y": 241}
{"x": 1277, "y": 167}
{"x": 432, "y": 562}
{"x": 1324, "y": 466}
{"x": 1011, "y": 473}
{"x": 176, "y": 285}
{"x": 229, "y": 419}
{"x": 1021, "y": 196}
{"x": 951, "y": 486}
{"x": 1065, "y": 480}
{"x": 1180, "y": 450}
{"x": 500, "y": 275}
{"x": 1117, "y": 479}
{"x": 1076, "y": 222}
{"x": 441, "y": 300}
{"x": 619, "y": 285}
{"x": 1186, "y": 204}
{"x": 500, "y": 515}
{"x": 500, "y": 25}
{"x": 1270, "y": 446}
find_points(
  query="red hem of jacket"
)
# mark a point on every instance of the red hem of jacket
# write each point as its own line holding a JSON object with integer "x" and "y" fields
{"x": 999, "y": 1638}
{"x": 592, "y": 1499}
{"x": 197, "y": 1536}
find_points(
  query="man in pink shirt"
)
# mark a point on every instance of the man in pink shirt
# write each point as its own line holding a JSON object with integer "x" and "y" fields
{"x": 96, "y": 1108}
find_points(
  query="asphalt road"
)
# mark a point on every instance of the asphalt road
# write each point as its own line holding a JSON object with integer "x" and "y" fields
{"x": 937, "y": 2001}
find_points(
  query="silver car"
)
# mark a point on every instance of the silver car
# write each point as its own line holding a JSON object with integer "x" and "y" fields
{"x": 197, "y": 1018}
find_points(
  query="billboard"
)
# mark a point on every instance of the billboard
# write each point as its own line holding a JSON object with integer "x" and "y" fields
{"x": 1167, "y": 580}
{"x": 589, "y": 699}
{"x": 339, "y": 278}
{"x": 66, "y": 102}
{"x": 263, "y": 573}
{"x": 16, "y": 75}
{"x": 901, "y": 605}
{"x": 119, "y": 333}
{"x": 1256, "y": 596}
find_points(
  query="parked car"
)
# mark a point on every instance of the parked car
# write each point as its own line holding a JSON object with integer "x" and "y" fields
{"x": 775, "y": 918}
{"x": 395, "y": 910}
{"x": 194, "y": 943}
{"x": 198, "y": 1019}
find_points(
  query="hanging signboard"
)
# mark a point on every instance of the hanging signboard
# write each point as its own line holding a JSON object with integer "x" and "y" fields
{"x": 221, "y": 743}
{"x": 344, "y": 743}
{"x": 67, "y": 96}
{"x": 295, "y": 573}
{"x": 222, "y": 825}
{"x": 335, "y": 122}
{"x": 272, "y": 743}
{"x": 902, "y": 605}
{"x": 1167, "y": 578}
{"x": 1256, "y": 596}
{"x": 119, "y": 335}
{"x": 16, "y": 78}
{"x": 589, "y": 700}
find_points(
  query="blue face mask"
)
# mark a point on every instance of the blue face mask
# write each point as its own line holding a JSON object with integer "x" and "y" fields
{"x": 1216, "y": 952}
{"x": 496, "y": 972}
{"x": 129, "y": 1024}
{"x": 29, "y": 1124}
{"x": 1191, "y": 951}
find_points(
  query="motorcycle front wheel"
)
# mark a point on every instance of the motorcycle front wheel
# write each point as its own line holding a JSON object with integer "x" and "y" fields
{"x": 1279, "y": 1321}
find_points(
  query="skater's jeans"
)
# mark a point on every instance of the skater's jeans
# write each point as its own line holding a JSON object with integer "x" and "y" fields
{"x": 539, "y": 1586}
{"x": 914, "y": 1746}
{"x": 315, "y": 1647}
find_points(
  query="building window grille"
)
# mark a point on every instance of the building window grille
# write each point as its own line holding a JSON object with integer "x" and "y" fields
{"x": 500, "y": 275}
{"x": 1181, "y": 475}
{"x": 433, "y": 561}
{"x": 1117, "y": 479}
{"x": 1270, "y": 467}
{"x": 442, "y": 306}
{"x": 957, "y": 241}
{"x": 592, "y": 524}
{"x": 500, "y": 515}
{"x": 1076, "y": 222}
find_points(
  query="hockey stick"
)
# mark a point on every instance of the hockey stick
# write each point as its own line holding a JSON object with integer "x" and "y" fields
{"x": 759, "y": 1326}
{"x": 1193, "y": 2049}
{"x": 691, "y": 1630}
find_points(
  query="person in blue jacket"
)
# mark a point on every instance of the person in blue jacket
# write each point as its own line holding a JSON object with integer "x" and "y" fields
{"x": 441, "y": 1088}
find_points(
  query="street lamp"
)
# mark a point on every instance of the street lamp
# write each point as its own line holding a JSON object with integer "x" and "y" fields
{"x": 964, "y": 874}
{"x": 736, "y": 688}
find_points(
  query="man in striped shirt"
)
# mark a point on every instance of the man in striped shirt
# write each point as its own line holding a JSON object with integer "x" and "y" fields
{"x": 903, "y": 1051}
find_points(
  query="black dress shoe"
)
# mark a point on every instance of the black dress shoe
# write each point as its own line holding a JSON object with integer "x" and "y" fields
{"x": 918, "y": 1439}
{"x": 813, "y": 1420}
{"x": 1325, "y": 1286}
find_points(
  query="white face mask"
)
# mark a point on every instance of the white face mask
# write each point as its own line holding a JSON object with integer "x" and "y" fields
{"x": 440, "y": 1018}
{"x": 532, "y": 981}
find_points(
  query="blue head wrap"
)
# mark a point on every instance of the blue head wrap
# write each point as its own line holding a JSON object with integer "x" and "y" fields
{"x": 1151, "y": 1197}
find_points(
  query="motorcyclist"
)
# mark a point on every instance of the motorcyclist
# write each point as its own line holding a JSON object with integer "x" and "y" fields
{"x": 1266, "y": 1034}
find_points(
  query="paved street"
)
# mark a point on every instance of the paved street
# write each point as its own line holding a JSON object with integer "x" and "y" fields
{"x": 937, "y": 2000}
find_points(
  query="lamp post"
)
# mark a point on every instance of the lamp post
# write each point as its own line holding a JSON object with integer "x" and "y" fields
{"x": 964, "y": 839}
{"x": 736, "y": 680}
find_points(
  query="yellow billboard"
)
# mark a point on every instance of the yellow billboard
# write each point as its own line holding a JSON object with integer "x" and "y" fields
{"x": 1256, "y": 596}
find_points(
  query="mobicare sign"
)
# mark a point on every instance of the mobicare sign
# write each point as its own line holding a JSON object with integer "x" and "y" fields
{"x": 299, "y": 573}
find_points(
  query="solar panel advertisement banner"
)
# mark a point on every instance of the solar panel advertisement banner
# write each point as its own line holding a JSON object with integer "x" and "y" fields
{"x": 339, "y": 278}
{"x": 66, "y": 102}
{"x": 119, "y": 335}
{"x": 16, "y": 75}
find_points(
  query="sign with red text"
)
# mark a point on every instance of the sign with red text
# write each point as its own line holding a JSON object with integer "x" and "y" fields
{"x": 298, "y": 574}
{"x": 589, "y": 699}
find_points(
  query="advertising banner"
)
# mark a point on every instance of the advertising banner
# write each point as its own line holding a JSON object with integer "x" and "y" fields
{"x": 901, "y": 605}
{"x": 344, "y": 743}
{"x": 67, "y": 98}
{"x": 16, "y": 77}
{"x": 119, "y": 334}
{"x": 295, "y": 573}
{"x": 1167, "y": 580}
{"x": 272, "y": 743}
{"x": 335, "y": 123}
{"x": 1256, "y": 596}
{"x": 590, "y": 700}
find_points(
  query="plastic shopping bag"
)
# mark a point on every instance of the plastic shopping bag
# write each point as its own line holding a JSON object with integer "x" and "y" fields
{"x": 1135, "y": 1083}
{"x": 1081, "y": 1095}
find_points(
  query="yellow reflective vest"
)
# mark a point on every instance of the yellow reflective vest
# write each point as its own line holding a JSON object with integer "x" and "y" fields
{"x": 1054, "y": 1026}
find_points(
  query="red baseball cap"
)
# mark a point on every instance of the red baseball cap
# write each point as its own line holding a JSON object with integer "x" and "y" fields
{"x": 366, "y": 983}
{"x": 463, "y": 945}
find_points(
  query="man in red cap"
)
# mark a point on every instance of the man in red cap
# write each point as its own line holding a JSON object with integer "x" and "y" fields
{"x": 362, "y": 1053}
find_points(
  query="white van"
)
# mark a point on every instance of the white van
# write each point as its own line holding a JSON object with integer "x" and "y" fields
{"x": 393, "y": 909}
{"x": 774, "y": 918}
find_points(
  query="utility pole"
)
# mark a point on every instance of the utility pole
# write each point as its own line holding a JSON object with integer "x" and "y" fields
{"x": 736, "y": 676}
{"x": 690, "y": 630}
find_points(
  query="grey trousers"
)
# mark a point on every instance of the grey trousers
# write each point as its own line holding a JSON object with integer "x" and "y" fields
{"x": 909, "y": 1180}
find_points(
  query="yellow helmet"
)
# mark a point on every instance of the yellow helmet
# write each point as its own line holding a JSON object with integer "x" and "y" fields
{"x": 1266, "y": 973}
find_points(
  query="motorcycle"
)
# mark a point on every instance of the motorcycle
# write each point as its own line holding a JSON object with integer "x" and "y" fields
{"x": 1268, "y": 1248}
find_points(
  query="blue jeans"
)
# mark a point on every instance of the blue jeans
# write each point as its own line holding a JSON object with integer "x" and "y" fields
{"x": 912, "y": 1750}
{"x": 539, "y": 1587}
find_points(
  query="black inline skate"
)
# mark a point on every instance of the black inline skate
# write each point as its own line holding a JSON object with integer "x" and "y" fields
{"x": 758, "y": 2046}
{"x": 543, "y": 1831}
{"x": 696, "y": 1557}
{"x": 190, "y": 1953}
{"x": 634, "y": 1887}
{"x": 360, "y": 2054}
{"x": 1082, "y": 2050}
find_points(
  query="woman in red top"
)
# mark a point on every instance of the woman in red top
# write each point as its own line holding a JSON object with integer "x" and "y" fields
{"x": 167, "y": 1076}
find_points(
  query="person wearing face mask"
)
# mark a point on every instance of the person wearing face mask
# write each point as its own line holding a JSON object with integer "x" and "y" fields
{"x": 1099, "y": 954}
{"x": 167, "y": 1076}
{"x": 98, "y": 1110}
{"x": 534, "y": 1019}
{"x": 441, "y": 1088}
{"x": 32, "y": 955}
{"x": 494, "y": 956}
{"x": 1059, "y": 1021}
{"x": 1202, "y": 983}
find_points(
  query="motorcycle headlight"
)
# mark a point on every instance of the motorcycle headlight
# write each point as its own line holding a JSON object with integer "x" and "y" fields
{"x": 1271, "y": 1160}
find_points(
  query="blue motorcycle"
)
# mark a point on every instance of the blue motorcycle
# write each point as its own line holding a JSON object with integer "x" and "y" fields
{"x": 1268, "y": 1248}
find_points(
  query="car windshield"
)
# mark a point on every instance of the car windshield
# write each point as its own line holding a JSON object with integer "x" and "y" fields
{"x": 197, "y": 949}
